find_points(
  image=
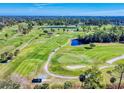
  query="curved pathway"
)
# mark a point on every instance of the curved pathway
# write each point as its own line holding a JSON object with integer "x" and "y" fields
{"x": 112, "y": 61}
{"x": 47, "y": 65}
{"x": 74, "y": 77}
{"x": 115, "y": 59}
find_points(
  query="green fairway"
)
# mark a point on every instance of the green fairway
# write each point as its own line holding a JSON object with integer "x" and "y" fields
{"x": 79, "y": 55}
{"x": 35, "y": 50}
{"x": 32, "y": 58}
{"x": 119, "y": 61}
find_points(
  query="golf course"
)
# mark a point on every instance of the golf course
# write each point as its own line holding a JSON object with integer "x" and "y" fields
{"x": 60, "y": 53}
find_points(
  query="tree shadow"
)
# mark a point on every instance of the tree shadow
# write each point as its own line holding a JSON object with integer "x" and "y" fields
{"x": 87, "y": 47}
{"x": 3, "y": 61}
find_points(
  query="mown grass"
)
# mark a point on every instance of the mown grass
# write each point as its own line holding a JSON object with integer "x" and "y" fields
{"x": 31, "y": 56}
{"x": 36, "y": 53}
{"x": 81, "y": 56}
{"x": 119, "y": 62}
{"x": 31, "y": 59}
{"x": 10, "y": 31}
{"x": 16, "y": 40}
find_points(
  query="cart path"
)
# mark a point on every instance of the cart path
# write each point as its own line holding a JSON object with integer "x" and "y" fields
{"x": 48, "y": 61}
{"x": 74, "y": 77}
{"x": 115, "y": 59}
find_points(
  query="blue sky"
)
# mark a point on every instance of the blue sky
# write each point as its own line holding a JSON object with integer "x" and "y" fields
{"x": 62, "y": 9}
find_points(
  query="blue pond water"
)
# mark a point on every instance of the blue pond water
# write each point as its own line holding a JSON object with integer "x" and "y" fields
{"x": 75, "y": 42}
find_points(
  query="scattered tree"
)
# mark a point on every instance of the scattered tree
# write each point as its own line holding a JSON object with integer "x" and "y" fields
{"x": 92, "y": 79}
{"x": 120, "y": 69}
{"x": 6, "y": 35}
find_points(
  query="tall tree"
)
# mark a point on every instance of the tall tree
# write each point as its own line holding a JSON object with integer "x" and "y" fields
{"x": 120, "y": 69}
{"x": 92, "y": 79}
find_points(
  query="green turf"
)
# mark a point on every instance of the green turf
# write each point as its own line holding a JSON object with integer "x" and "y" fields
{"x": 97, "y": 56}
{"x": 34, "y": 54}
{"x": 32, "y": 58}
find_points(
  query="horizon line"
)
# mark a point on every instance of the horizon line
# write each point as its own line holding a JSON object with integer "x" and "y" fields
{"x": 68, "y": 15}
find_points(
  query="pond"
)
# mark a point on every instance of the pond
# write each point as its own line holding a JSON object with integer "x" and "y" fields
{"x": 75, "y": 42}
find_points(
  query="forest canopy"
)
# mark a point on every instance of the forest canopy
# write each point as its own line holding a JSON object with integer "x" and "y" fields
{"x": 103, "y": 36}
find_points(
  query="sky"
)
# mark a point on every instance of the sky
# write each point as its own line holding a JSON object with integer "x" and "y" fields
{"x": 62, "y": 9}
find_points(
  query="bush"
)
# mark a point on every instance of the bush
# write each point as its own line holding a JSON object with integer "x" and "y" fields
{"x": 67, "y": 85}
{"x": 8, "y": 84}
{"x": 92, "y": 45}
{"x": 43, "y": 86}
{"x": 16, "y": 52}
{"x": 113, "y": 80}
{"x": 45, "y": 31}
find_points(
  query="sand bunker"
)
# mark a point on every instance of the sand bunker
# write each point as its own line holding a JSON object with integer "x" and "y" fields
{"x": 72, "y": 67}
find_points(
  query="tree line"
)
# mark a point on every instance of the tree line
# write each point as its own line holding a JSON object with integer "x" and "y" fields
{"x": 61, "y": 20}
{"x": 103, "y": 36}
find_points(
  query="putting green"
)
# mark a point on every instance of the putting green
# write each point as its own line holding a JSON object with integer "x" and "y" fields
{"x": 69, "y": 58}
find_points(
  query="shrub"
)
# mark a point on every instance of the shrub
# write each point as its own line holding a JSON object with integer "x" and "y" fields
{"x": 67, "y": 85}
{"x": 92, "y": 45}
{"x": 16, "y": 52}
{"x": 43, "y": 86}
{"x": 8, "y": 84}
{"x": 112, "y": 80}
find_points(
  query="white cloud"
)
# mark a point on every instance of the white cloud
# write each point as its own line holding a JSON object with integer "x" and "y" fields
{"x": 41, "y": 5}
